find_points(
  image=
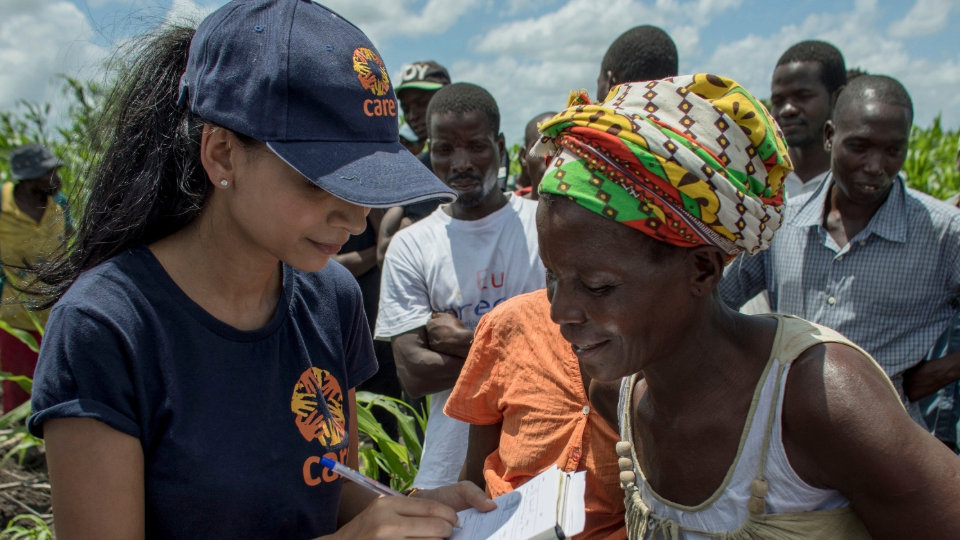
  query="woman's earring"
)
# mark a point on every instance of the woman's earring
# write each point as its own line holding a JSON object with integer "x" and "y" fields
{"x": 224, "y": 182}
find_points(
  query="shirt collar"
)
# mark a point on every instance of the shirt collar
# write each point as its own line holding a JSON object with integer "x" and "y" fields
{"x": 888, "y": 222}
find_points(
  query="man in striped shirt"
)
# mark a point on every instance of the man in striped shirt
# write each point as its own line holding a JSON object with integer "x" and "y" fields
{"x": 864, "y": 254}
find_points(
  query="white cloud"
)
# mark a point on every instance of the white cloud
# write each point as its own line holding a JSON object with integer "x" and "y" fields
{"x": 400, "y": 18}
{"x": 38, "y": 41}
{"x": 518, "y": 6}
{"x": 926, "y": 17}
{"x": 558, "y": 33}
{"x": 102, "y": 3}
{"x": 187, "y": 11}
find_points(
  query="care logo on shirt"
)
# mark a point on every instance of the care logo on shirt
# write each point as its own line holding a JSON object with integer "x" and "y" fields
{"x": 317, "y": 402}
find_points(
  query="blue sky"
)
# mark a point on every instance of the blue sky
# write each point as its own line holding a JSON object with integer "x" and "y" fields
{"x": 530, "y": 53}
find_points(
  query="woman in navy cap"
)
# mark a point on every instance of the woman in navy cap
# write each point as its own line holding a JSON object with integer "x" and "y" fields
{"x": 202, "y": 354}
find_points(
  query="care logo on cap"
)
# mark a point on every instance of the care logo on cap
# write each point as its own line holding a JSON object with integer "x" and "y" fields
{"x": 373, "y": 77}
{"x": 370, "y": 71}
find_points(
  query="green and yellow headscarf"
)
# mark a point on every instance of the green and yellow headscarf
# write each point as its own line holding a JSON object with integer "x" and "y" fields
{"x": 690, "y": 160}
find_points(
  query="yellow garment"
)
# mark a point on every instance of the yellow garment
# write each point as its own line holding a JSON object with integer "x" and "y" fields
{"x": 794, "y": 335}
{"x": 24, "y": 240}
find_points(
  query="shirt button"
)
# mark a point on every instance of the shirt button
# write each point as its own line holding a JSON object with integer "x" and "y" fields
{"x": 862, "y": 243}
{"x": 839, "y": 257}
{"x": 831, "y": 300}
{"x": 586, "y": 410}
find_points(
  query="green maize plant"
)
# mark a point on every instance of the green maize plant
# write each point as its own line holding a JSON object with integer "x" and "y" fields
{"x": 931, "y": 164}
{"x": 400, "y": 459}
{"x": 26, "y": 526}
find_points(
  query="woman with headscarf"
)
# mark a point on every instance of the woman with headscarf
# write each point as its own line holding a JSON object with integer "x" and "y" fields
{"x": 732, "y": 426}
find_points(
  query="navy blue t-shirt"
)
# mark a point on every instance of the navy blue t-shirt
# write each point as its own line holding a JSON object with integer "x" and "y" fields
{"x": 232, "y": 423}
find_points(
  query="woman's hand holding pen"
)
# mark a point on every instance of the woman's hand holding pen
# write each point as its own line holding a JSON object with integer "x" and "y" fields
{"x": 429, "y": 513}
{"x": 459, "y": 496}
{"x": 400, "y": 517}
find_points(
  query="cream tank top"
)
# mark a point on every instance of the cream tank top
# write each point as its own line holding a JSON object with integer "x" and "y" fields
{"x": 761, "y": 495}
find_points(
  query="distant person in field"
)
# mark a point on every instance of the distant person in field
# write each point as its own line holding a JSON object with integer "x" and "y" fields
{"x": 863, "y": 254}
{"x": 34, "y": 221}
{"x": 531, "y": 167}
{"x": 804, "y": 88}
{"x": 642, "y": 53}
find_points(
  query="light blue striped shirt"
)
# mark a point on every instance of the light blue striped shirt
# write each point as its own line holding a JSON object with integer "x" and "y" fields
{"x": 892, "y": 289}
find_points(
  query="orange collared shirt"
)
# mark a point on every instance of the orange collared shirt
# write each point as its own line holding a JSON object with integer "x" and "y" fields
{"x": 520, "y": 371}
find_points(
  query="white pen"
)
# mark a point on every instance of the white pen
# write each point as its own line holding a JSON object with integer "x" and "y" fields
{"x": 358, "y": 478}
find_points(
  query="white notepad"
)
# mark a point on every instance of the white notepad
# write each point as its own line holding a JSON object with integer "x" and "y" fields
{"x": 550, "y": 505}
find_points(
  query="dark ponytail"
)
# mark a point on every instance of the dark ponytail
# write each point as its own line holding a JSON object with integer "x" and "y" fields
{"x": 149, "y": 182}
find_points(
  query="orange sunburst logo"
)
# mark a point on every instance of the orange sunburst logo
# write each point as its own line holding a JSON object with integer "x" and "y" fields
{"x": 318, "y": 403}
{"x": 370, "y": 71}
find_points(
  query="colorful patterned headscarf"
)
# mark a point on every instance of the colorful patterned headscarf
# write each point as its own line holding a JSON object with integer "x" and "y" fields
{"x": 690, "y": 160}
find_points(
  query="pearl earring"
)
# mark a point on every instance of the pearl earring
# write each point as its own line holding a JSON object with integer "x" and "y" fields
{"x": 224, "y": 182}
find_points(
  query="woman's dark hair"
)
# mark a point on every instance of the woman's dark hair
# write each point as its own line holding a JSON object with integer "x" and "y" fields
{"x": 149, "y": 182}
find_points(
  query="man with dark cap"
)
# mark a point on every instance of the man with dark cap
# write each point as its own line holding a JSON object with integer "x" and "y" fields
{"x": 33, "y": 223}
{"x": 418, "y": 82}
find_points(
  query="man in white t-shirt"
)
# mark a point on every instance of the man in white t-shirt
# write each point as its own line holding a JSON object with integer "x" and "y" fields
{"x": 441, "y": 274}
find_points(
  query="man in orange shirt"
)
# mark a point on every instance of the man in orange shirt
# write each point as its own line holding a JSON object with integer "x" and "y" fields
{"x": 522, "y": 391}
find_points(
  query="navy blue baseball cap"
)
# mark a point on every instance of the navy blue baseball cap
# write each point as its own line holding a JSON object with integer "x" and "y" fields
{"x": 309, "y": 84}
